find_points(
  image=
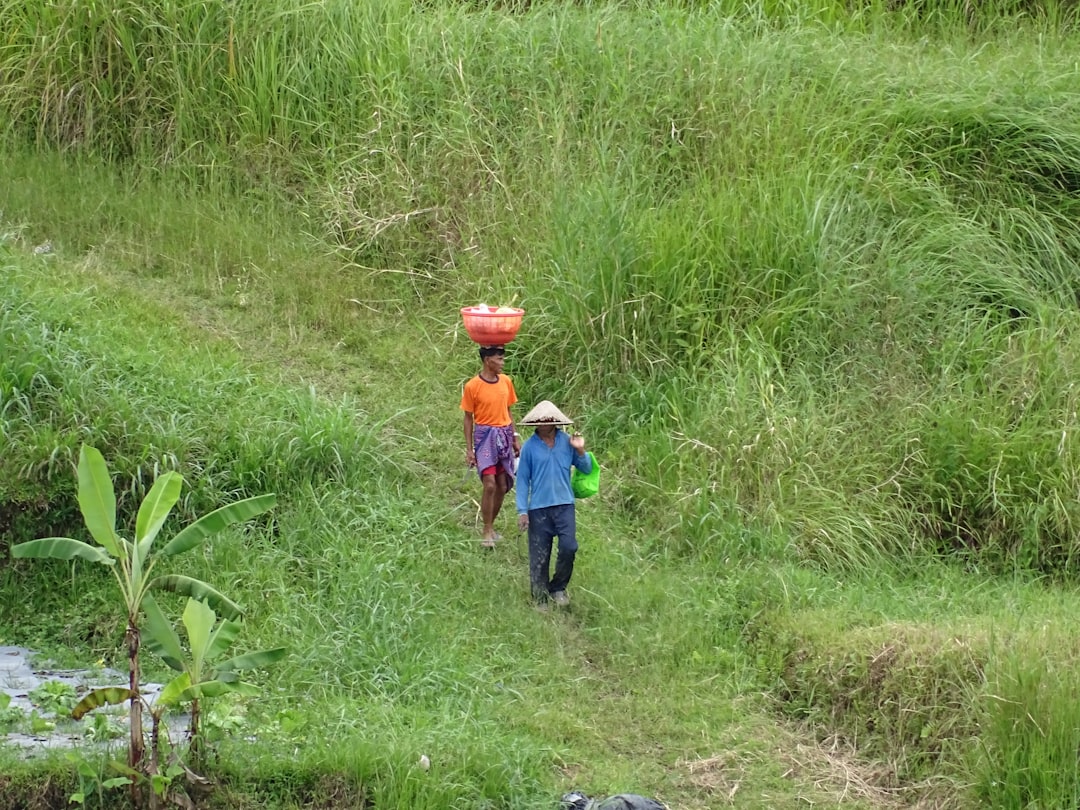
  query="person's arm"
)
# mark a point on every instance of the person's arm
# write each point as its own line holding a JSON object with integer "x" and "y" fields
{"x": 470, "y": 449}
{"x": 581, "y": 459}
{"x": 524, "y": 481}
{"x": 511, "y": 398}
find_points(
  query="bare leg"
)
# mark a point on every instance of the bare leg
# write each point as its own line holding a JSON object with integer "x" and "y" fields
{"x": 501, "y": 486}
{"x": 488, "y": 509}
{"x": 495, "y": 488}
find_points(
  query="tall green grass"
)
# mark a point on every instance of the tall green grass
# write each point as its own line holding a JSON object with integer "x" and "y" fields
{"x": 60, "y": 391}
{"x": 806, "y": 277}
{"x": 663, "y": 206}
{"x": 1027, "y": 756}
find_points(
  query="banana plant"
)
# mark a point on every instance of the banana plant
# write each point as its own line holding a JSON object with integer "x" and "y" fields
{"x": 202, "y": 674}
{"x": 132, "y": 563}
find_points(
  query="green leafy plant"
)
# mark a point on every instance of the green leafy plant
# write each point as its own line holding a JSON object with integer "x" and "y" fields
{"x": 161, "y": 782}
{"x": 92, "y": 781}
{"x": 289, "y": 724}
{"x": 132, "y": 564}
{"x": 54, "y": 697}
{"x": 226, "y": 717}
{"x": 10, "y": 716}
{"x": 202, "y": 672}
{"x": 103, "y": 728}
{"x": 39, "y": 724}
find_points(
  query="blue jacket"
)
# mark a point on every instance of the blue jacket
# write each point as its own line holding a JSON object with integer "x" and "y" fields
{"x": 544, "y": 472}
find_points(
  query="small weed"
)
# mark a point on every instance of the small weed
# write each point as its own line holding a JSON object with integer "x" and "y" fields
{"x": 92, "y": 780}
{"x": 54, "y": 697}
{"x": 102, "y": 728}
{"x": 40, "y": 724}
{"x": 225, "y": 718}
{"x": 10, "y": 716}
{"x": 160, "y": 782}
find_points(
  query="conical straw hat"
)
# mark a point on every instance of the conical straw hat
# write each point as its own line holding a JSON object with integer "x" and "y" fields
{"x": 545, "y": 414}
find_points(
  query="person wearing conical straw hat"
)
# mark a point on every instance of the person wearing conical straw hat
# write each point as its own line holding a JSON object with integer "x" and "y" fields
{"x": 491, "y": 442}
{"x": 545, "y": 501}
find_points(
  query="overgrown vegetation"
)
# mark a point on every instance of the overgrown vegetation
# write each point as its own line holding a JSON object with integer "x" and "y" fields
{"x": 131, "y": 563}
{"x": 807, "y": 274}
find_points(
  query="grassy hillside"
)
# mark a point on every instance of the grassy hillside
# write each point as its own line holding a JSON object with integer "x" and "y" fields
{"x": 808, "y": 280}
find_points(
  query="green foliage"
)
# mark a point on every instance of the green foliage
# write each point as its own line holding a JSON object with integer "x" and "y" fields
{"x": 27, "y": 368}
{"x": 93, "y": 781}
{"x": 102, "y": 697}
{"x": 1030, "y": 733}
{"x": 161, "y": 782}
{"x": 811, "y": 289}
{"x": 29, "y": 377}
{"x": 138, "y": 63}
{"x": 157, "y": 426}
{"x": 54, "y": 697}
{"x": 40, "y": 724}
{"x": 902, "y": 692}
{"x": 10, "y": 716}
{"x": 202, "y": 674}
{"x": 131, "y": 563}
{"x": 103, "y": 728}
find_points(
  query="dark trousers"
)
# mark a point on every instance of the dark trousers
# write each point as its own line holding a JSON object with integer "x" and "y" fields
{"x": 544, "y": 526}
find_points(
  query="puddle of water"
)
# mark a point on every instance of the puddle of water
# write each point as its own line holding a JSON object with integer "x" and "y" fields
{"x": 19, "y": 677}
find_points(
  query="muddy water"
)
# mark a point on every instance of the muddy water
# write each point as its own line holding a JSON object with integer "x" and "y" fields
{"x": 21, "y": 674}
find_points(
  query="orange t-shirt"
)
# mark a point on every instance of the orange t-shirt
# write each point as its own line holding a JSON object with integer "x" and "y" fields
{"x": 489, "y": 402}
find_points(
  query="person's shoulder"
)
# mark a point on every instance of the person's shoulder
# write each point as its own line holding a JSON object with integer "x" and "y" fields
{"x": 469, "y": 390}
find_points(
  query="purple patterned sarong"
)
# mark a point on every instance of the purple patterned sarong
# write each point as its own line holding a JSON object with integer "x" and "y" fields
{"x": 495, "y": 448}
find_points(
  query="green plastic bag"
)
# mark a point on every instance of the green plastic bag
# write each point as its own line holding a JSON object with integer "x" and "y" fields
{"x": 585, "y": 486}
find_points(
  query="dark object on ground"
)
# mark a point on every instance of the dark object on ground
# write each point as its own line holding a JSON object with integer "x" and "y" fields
{"x": 623, "y": 801}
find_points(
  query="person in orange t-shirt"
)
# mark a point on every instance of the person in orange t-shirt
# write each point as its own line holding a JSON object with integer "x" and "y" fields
{"x": 491, "y": 443}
